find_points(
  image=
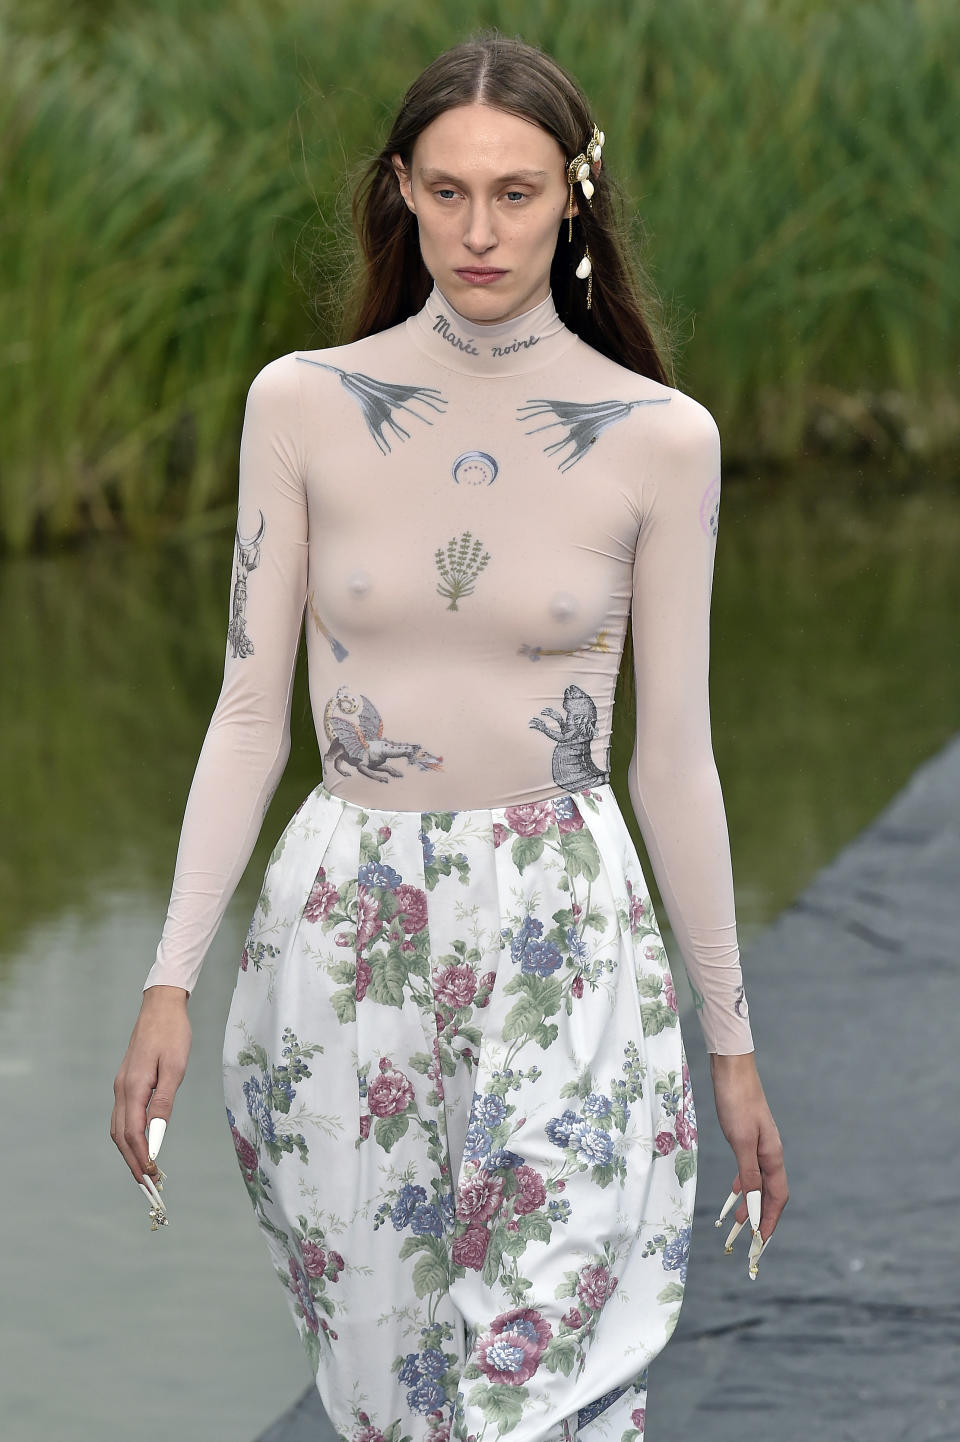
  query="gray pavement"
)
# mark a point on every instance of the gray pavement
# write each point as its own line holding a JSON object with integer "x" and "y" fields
{"x": 851, "y": 1332}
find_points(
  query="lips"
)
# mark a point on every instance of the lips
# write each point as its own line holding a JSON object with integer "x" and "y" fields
{"x": 480, "y": 275}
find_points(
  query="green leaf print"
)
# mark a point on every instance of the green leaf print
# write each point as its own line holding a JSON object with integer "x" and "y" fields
{"x": 513, "y": 1244}
{"x": 430, "y": 1274}
{"x": 685, "y": 1165}
{"x": 389, "y": 1130}
{"x": 491, "y": 1262}
{"x": 526, "y": 849}
{"x": 432, "y": 820}
{"x": 344, "y": 1004}
{"x": 580, "y": 854}
{"x": 420, "y": 1061}
{"x": 560, "y": 1354}
{"x": 253, "y": 1055}
{"x": 387, "y": 976}
{"x": 672, "y": 1292}
{"x": 649, "y": 985}
{"x": 343, "y": 971}
{"x": 369, "y": 847}
{"x": 499, "y": 1403}
{"x": 534, "y": 1227}
{"x": 411, "y": 1245}
{"x": 655, "y": 1015}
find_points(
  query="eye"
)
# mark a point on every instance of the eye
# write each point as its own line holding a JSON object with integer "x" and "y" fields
{"x": 444, "y": 192}
{"x": 516, "y": 195}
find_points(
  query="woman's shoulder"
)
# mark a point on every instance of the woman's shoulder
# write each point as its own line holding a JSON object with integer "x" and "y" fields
{"x": 671, "y": 419}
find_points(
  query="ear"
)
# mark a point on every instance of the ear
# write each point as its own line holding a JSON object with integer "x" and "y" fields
{"x": 404, "y": 179}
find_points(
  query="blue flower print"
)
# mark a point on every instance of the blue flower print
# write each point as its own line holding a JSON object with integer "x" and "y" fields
{"x": 490, "y": 1110}
{"x": 425, "y": 1221}
{"x": 259, "y": 1109}
{"x": 377, "y": 873}
{"x": 564, "y": 809}
{"x": 448, "y": 1210}
{"x": 577, "y": 946}
{"x": 677, "y": 1252}
{"x": 558, "y": 1128}
{"x": 590, "y": 1143}
{"x": 429, "y": 850}
{"x": 529, "y": 930}
{"x": 477, "y": 1142}
{"x": 502, "y": 1158}
{"x": 426, "y": 1397}
{"x": 403, "y": 1208}
{"x": 597, "y": 1105}
{"x": 541, "y": 958}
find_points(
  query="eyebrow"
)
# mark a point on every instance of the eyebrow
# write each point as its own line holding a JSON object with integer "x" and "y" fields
{"x": 430, "y": 176}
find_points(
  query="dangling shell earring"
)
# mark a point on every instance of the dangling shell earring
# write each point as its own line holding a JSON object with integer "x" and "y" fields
{"x": 579, "y": 172}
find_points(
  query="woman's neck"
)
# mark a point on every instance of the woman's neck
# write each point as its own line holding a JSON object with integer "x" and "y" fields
{"x": 505, "y": 347}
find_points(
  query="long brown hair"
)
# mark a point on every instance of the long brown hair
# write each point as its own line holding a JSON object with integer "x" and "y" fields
{"x": 393, "y": 282}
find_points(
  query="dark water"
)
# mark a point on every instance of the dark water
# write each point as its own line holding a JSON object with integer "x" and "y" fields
{"x": 834, "y": 673}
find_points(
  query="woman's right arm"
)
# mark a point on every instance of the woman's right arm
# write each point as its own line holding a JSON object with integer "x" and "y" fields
{"x": 244, "y": 751}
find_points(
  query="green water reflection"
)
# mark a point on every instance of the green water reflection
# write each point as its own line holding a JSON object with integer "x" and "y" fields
{"x": 833, "y": 675}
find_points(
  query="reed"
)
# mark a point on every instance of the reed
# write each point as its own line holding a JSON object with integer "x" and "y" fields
{"x": 176, "y": 178}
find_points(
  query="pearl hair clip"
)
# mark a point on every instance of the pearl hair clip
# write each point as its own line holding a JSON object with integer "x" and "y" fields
{"x": 579, "y": 173}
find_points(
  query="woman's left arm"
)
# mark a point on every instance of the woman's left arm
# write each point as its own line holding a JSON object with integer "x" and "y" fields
{"x": 673, "y": 780}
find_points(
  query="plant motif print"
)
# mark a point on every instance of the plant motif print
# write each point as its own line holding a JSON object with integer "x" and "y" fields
{"x": 600, "y": 642}
{"x": 379, "y": 399}
{"x": 269, "y": 1095}
{"x": 573, "y": 765}
{"x": 247, "y": 560}
{"x": 339, "y": 650}
{"x": 354, "y": 728}
{"x": 585, "y": 422}
{"x": 460, "y": 567}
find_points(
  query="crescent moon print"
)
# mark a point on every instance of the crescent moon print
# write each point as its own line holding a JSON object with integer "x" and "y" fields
{"x": 573, "y": 765}
{"x": 247, "y": 560}
{"x": 379, "y": 399}
{"x": 354, "y": 728}
{"x": 585, "y": 422}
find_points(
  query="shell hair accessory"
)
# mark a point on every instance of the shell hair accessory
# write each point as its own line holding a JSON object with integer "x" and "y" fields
{"x": 579, "y": 173}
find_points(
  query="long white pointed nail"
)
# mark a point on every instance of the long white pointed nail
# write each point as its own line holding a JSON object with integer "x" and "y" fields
{"x": 757, "y": 1247}
{"x": 146, "y": 1193}
{"x": 153, "y": 1194}
{"x": 731, "y": 1201}
{"x": 155, "y": 1133}
{"x": 732, "y": 1236}
{"x": 753, "y": 1208}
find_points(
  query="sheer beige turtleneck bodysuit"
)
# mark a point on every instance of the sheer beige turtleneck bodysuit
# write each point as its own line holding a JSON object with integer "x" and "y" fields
{"x": 464, "y": 516}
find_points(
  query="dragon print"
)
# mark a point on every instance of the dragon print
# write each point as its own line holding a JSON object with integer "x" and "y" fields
{"x": 585, "y": 422}
{"x": 248, "y": 559}
{"x": 354, "y": 728}
{"x": 379, "y": 399}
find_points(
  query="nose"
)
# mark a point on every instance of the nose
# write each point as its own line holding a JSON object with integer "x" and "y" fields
{"x": 479, "y": 235}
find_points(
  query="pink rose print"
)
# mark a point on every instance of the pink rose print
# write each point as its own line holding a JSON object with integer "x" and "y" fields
{"x": 368, "y": 1434}
{"x": 314, "y": 1259}
{"x": 573, "y": 1318}
{"x": 470, "y": 1249}
{"x": 570, "y": 823}
{"x": 455, "y": 986}
{"x": 531, "y": 1191}
{"x": 389, "y": 1094}
{"x": 595, "y": 1285}
{"x": 576, "y": 986}
{"x": 320, "y": 901}
{"x": 479, "y": 1197}
{"x": 531, "y": 819}
{"x": 485, "y": 987}
{"x": 246, "y": 1156}
{"x": 301, "y": 1288}
{"x": 335, "y": 1266}
{"x": 510, "y": 1352}
{"x": 500, "y": 833}
{"x": 365, "y": 1125}
{"x": 364, "y": 973}
{"x": 669, "y": 994}
{"x": 384, "y": 833}
{"x": 639, "y": 1417}
{"x": 412, "y": 906}
{"x": 343, "y": 938}
{"x": 686, "y": 1132}
{"x": 665, "y": 1143}
{"x": 368, "y": 915}
{"x": 244, "y": 959}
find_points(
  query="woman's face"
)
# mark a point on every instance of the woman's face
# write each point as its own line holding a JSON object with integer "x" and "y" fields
{"x": 490, "y": 193}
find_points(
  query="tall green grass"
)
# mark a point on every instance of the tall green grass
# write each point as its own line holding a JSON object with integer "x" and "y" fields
{"x": 175, "y": 184}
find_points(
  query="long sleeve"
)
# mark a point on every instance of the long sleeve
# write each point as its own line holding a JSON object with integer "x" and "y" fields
{"x": 673, "y": 781}
{"x": 247, "y": 742}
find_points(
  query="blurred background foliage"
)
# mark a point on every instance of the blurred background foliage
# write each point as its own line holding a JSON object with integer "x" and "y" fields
{"x": 177, "y": 178}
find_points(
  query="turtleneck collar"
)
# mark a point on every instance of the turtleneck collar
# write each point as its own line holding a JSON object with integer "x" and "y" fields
{"x": 507, "y": 347}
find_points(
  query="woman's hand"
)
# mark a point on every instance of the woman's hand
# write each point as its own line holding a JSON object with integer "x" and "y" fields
{"x": 747, "y": 1123}
{"x": 155, "y": 1062}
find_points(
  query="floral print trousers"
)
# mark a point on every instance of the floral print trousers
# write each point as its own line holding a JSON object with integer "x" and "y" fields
{"x": 458, "y": 1092}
